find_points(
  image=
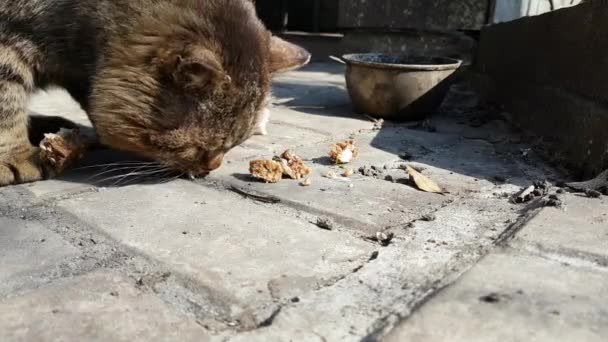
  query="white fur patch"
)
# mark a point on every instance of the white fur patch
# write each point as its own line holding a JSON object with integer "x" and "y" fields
{"x": 263, "y": 119}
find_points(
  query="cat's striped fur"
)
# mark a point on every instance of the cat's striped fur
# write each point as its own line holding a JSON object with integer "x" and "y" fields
{"x": 179, "y": 81}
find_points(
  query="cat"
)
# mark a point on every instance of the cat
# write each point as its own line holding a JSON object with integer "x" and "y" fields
{"x": 178, "y": 81}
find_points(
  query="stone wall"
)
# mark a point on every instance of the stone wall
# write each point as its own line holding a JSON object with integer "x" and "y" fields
{"x": 437, "y": 15}
{"x": 550, "y": 71}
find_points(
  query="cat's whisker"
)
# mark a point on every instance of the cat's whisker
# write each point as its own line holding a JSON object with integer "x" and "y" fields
{"x": 134, "y": 168}
{"x": 114, "y": 164}
{"x": 142, "y": 177}
{"x": 146, "y": 173}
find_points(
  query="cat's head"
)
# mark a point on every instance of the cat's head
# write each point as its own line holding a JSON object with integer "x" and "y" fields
{"x": 187, "y": 84}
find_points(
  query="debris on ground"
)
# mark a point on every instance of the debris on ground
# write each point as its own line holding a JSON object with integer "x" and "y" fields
{"x": 344, "y": 152}
{"x": 62, "y": 149}
{"x": 524, "y": 195}
{"x": 268, "y": 170}
{"x": 423, "y": 182}
{"x": 259, "y": 198}
{"x": 429, "y": 217}
{"x": 383, "y": 238}
{"x": 306, "y": 182}
{"x": 599, "y": 183}
{"x": 553, "y": 201}
{"x": 348, "y": 173}
{"x": 330, "y": 175}
{"x": 325, "y": 222}
{"x": 288, "y": 164}
{"x": 541, "y": 188}
{"x": 593, "y": 193}
{"x": 371, "y": 171}
{"x": 293, "y": 166}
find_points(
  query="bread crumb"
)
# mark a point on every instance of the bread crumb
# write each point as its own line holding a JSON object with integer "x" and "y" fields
{"x": 267, "y": 170}
{"x": 344, "y": 152}
{"x": 348, "y": 173}
{"x": 330, "y": 175}
{"x": 288, "y": 164}
{"x": 293, "y": 166}
{"x": 306, "y": 182}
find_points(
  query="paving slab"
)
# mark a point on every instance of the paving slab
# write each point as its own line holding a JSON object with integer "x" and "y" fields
{"x": 370, "y": 204}
{"x": 316, "y": 85}
{"x": 515, "y": 297}
{"x": 391, "y": 285}
{"x": 26, "y": 247}
{"x": 246, "y": 251}
{"x": 102, "y": 306}
{"x": 578, "y": 230}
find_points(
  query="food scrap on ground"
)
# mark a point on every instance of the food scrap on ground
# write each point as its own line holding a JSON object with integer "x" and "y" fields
{"x": 344, "y": 152}
{"x": 348, "y": 173}
{"x": 62, "y": 149}
{"x": 330, "y": 175}
{"x": 267, "y": 170}
{"x": 288, "y": 164}
{"x": 423, "y": 182}
{"x": 293, "y": 166}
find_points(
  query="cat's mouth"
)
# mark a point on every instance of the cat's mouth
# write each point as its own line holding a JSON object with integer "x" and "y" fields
{"x": 199, "y": 169}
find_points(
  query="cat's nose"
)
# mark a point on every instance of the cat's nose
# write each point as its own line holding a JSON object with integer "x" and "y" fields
{"x": 213, "y": 162}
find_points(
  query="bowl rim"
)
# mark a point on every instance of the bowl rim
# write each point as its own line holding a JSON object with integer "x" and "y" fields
{"x": 451, "y": 63}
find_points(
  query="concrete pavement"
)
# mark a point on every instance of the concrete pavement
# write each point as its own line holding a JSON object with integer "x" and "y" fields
{"x": 172, "y": 259}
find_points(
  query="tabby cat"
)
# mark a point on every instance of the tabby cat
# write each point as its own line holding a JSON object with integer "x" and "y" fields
{"x": 178, "y": 81}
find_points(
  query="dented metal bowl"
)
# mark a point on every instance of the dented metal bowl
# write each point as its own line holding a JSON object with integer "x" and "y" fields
{"x": 398, "y": 86}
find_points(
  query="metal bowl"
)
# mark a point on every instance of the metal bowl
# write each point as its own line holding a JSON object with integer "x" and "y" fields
{"x": 398, "y": 86}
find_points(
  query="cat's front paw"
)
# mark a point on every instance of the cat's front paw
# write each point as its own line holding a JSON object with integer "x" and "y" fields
{"x": 23, "y": 167}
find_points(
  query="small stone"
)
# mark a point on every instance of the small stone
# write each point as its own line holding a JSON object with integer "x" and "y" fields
{"x": 325, "y": 222}
{"x": 384, "y": 239}
{"x": 348, "y": 173}
{"x": 429, "y": 217}
{"x": 490, "y": 298}
{"x": 553, "y": 201}
{"x": 306, "y": 182}
{"x": 593, "y": 193}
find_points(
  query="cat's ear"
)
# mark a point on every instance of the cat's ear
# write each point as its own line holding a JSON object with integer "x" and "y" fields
{"x": 286, "y": 56}
{"x": 198, "y": 68}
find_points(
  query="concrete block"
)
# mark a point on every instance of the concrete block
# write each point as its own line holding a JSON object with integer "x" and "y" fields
{"x": 101, "y": 306}
{"x": 230, "y": 245}
{"x": 579, "y": 231}
{"x": 511, "y": 297}
{"x": 552, "y": 80}
{"x": 27, "y": 247}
